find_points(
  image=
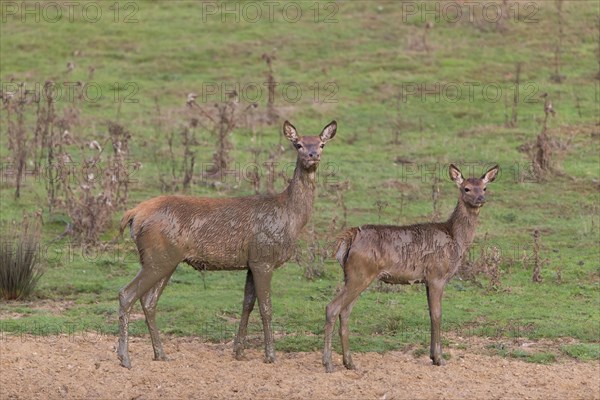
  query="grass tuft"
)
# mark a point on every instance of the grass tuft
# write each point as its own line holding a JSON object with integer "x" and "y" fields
{"x": 19, "y": 256}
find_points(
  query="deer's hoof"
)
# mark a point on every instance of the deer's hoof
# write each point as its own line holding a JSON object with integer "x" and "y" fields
{"x": 439, "y": 361}
{"x": 239, "y": 355}
{"x": 125, "y": 362}
{"x": 349, "y": 365}
{"x": 269, "y": 360}
{"x": 329, "y": 368}
{"x": 238, "y": 348}
{"x": 161, "y": 358}
{"x": 123, "y": 356}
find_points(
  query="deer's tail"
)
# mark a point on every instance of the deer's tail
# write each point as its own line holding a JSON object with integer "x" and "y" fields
{"x": 344, "y": 244}
{"x": 127, "y": 220}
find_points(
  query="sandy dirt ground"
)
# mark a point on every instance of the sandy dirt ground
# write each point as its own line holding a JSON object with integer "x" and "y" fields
{"x": 78, "y": 367}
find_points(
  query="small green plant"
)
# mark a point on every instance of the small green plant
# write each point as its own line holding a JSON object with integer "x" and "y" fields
{"x": 537, "y": 358}
{"x": 582, "y": 351}
{"x": 420, "y": 352}
{"x": 392, "y": 326}
{"x": 19, "y": 267}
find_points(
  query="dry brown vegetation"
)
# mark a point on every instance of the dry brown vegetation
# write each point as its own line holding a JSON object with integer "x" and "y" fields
{"x": 548, "y": 151}
{"x": 487, "y": 264}
{"x": 89, "y": 178}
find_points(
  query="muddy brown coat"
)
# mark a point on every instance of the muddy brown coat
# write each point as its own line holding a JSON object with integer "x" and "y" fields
{"x": 255, "y": 233}
{"x": 428, "y": 253}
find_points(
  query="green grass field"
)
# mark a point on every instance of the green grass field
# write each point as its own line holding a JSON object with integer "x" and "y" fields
{"x": 406, "y": 107}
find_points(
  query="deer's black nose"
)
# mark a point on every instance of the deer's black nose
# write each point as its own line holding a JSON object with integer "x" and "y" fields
{"x": 311, "y": 155}
{"x": 480, "y": 199}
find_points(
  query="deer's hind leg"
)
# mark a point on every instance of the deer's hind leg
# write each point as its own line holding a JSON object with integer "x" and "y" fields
{"x": 341, "y": 306}
{"x": 344, "y": 334}
{"x": 149, "y": 301}
{"x": 157, "y": 263}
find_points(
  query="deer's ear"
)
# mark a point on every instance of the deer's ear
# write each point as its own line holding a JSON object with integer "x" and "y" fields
{"x": 490, "y": 175}
{"x": 456, "y": 175}
{"x": 290, "y": 132}
{"x": 328, "y": 132}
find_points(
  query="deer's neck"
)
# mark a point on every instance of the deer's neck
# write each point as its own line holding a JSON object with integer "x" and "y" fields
{"x": 300, "y": 194}
{"x": 462, "y": 223}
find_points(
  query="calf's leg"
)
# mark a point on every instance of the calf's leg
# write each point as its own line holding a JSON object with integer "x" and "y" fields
{"x": 354, "y": 286}
{"x": 344, "y": 335}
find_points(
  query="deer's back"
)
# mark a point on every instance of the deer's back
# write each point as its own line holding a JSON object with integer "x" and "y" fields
{"x": 216, "y": 234}
{"x": 406, "y": 254}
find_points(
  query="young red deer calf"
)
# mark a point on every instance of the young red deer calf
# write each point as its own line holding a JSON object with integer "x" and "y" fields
{"x": 428, "y": 253}
{"x": 255, "y": 233}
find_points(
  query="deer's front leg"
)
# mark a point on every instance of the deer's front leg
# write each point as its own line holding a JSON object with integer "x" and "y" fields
{"x": 434, "y": 300}
{"x": 249, "y": 300}
{"x": 262, "y": 274}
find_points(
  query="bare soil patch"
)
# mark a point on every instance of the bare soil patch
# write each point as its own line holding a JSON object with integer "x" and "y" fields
{"x": 86, "y": 366}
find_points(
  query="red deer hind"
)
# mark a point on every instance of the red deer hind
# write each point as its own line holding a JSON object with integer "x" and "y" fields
{"x": 255, "y": 233}
{"x": 429, "y": 253}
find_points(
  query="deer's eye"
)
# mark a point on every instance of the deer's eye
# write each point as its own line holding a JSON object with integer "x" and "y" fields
{"x": 322, "y": 145}
{"x": 467, "y": 190}
{"x": 298, "y": 146}
{"x": 484, "y": 189}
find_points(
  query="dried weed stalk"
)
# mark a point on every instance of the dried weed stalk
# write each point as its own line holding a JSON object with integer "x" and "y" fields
{"x": 488, "y": 263}
{"x": 512, "y": 121}
{"x": 311, "y": 255}
{"x": 272, "y": 114}
{"x": 92, "y": 195}
{"x": 537, "y": 261}
{"x": 14, "y": 107}
{"x": 221, "y": 121}
{"x": 557, "y": 77}
{"x": 546, "y": 152}
{"x": 435, "y": 200}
